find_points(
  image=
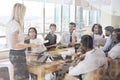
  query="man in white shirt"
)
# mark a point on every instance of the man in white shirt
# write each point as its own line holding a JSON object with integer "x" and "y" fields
{"x": 92, "y": 59}
{"x": 69, "y": 38}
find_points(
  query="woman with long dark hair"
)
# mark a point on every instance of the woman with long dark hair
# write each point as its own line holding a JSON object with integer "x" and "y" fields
{"x": 98, "y": 35}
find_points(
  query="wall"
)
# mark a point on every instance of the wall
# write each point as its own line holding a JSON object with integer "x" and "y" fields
{"x": 105, "y": 19}
{"x": 115, "y": 21}
{"x": 108, "y": 19}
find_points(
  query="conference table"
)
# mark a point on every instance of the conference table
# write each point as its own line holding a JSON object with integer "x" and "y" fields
{"x": 42, "y": 69}
{"x": 31, "y": 56}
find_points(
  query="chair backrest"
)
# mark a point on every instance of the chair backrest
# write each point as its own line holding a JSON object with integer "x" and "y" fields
{"x": 111, "y": 73}
{"x": 114, "y": 69}
{"x": 69, "y": 77}
{"x": 98, "y": 74}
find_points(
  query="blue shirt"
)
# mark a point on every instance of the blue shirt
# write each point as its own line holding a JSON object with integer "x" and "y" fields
{"x": 109, "y": 44}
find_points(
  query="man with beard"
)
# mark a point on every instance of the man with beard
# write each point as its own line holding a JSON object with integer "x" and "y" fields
{"x": 109, "y": 42}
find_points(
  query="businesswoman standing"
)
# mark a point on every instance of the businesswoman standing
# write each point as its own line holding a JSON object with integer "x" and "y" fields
{"x": 15, "y": 41}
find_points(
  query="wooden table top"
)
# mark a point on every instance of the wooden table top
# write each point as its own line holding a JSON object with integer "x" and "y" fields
{"x": 65, "y": 51}
{"x": 46, "y": 68}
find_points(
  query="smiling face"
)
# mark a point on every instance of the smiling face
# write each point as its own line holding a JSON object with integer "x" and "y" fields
{"x": 96, "y": 29}
{"x": 114, "y": 37}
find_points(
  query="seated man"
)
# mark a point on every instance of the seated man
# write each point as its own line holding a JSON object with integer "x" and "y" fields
{"x": 92, "y": 58}
{"x": 109, "y": 42}
{"x": 69, "y": 38}
{"x": 51, "y": 37}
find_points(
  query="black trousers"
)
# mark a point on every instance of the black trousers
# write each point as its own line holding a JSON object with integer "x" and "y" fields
{"x": 18, "y": 59}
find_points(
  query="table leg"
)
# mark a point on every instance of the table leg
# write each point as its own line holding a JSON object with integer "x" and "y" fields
{"x": 41, "y": 75}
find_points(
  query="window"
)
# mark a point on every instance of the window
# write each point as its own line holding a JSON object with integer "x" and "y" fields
{"x": 41, "y": 13}
{"x": 94, "y": 17}
{"x": 65, "y": 17}
{"x": 79, "y": 18}
{"x": 86, "y": 17}
{"x": 52, "y": 15}
{"x": 49, "y": 15}
{"x": 58, "y": 17}
{"x": 34, "y": 16}
{"x": 98, "y": 16}
{"x": 91, "y": 16}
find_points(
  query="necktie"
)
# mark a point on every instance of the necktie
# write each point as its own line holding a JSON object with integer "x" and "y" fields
{"x": 70, "y": 37}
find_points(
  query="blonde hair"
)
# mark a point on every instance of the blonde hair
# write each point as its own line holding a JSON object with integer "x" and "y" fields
{"x": 18, "y": 13}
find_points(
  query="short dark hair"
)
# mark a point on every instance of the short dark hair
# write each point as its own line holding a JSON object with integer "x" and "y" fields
{"x": 99, "y": 28}
{"x": 109, "y": 28}
{"x": 53, "y": 25}
{"x": 34, "y": 30}
{"x": 117, "y": 32}
{"x": 87, "y": 41}
{"x": 72, "y": 23}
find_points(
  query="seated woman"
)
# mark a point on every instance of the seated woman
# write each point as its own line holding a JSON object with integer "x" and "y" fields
{"x": 92, "y": 58}
{"x": 114, "y": 53}
{"x": 114, "y": 56}
{"x": 97, "y": 31}
{"x": 51, "y": 37}
{"x": 97, "y": 35}
{"x": 32, "y": 38}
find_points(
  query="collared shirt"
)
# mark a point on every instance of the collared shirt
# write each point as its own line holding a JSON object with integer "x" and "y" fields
{"x": 93, "y": 60}
{"x": 65, "y": 38}
{"x": 115, "y": 51}
{"x": 109, "y": 44}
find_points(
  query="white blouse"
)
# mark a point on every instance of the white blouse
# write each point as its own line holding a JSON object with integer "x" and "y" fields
{"x": 13, "y": 26}
{"x": 41, "y": 47}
